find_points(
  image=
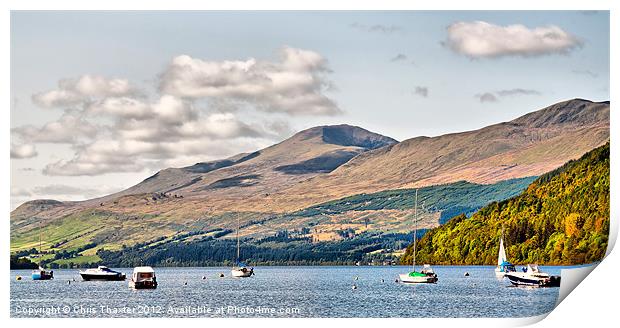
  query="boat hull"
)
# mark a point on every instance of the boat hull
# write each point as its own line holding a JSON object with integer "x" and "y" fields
{"x": 519, "y": 279}
{"x": 142, "y": 284}
{"x": 241, "y": 273}
{"x": 407, "y": 279}
{"x": 42, "y": 274}
{"x": 100, "y": 277}
{"x": 501, "y": 274}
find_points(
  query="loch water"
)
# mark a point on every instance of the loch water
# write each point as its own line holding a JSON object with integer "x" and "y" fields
{"x": 285, "y": 291}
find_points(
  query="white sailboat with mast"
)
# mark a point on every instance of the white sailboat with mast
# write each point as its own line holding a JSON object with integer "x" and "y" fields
{"x": 240, "y": 270}
{"x": 41, "y": 273}
{"x": 426, "y": 275}
{"x": 503, "y": 265}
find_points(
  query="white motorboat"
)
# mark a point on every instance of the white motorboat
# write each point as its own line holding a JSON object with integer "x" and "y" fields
{"x": 102, "y": 273}
{"x": 534, "y": 277}
{"x": 143, "y": 278}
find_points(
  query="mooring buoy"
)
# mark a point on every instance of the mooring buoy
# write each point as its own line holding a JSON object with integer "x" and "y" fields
{"x": 466, "y": 274}
{"x": 18, "y": 277}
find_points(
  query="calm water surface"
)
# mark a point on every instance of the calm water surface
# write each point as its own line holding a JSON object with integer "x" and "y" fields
{"x": 283, "y": 292}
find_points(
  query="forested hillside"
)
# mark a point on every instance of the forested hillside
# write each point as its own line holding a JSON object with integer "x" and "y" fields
{"x": 562, "y": 218}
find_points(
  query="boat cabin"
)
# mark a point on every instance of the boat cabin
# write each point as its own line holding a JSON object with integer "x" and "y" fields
{"x": 506, "y": 267}
{"x": 426, "y": 269}
{"x": 143, "y": 277}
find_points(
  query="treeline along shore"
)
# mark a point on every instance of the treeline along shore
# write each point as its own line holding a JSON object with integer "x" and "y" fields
{"x": 562, "y": 218}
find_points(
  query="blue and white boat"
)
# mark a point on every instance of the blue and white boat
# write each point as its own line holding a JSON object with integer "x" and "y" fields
{"x": 42, "y": 274}
{"x": 503, "y": 266}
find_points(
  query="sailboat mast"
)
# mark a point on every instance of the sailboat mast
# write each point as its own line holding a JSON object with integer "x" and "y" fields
{"x": 238, "y": 227}
{"x": 40, "y": 243}
{"x": 501, "y": 256}
{"x": 415, "y": 226}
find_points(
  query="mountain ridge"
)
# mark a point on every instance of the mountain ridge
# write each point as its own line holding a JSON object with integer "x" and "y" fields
{"x": 306, "y": 170}
{"x": 501, "y": 158}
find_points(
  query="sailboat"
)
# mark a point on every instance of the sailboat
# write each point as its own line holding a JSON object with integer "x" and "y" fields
{"x": 41, "y": 273}
{"x": 240, "y": 270}
{"x": 503, "y": 266}
{"x": 426, "y": 275}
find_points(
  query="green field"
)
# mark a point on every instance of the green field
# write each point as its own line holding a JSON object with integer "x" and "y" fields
{"x": 76, "y": 238}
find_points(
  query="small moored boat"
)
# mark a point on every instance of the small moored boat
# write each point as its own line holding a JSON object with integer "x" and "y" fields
{"x": 534, "y": 277}
{"x": 240, "y": 270}
{"x": 503, "y": 266}
{"x": 426, "y": 275}
{"x": 42, "y": 274}
{"x": 143, "y": 278}
{"x": 102, "y": 273}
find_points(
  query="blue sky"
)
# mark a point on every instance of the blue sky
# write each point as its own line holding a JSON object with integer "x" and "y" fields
{"x": 368, "y": 64}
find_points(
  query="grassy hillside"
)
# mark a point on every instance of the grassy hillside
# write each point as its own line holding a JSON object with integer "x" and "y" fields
{"x": 334, "y": 232}
{"x": 448, "y": 199}
{"x": 561, "y": 218}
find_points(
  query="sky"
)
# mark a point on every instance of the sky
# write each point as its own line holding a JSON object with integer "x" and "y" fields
{"x": 102, "y": 100}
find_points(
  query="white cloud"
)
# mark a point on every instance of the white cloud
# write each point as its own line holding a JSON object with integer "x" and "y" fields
{"x": 146, "y": 135}
{"x": 484, "y": 40}
{"x": 518, "y": 92}
{"x": 70, "y": 128}
{"x": 494, "y": 96}
{"x": 67, "y": 190}
{"x": 421, "y": 91}
{"x": 19, "y": 151}
{"x": 59, "y": 191}
{"x": 106, "y": 156}
{"x": 486, "y": 97}
{"x": 399, "y": 57}
{"x": 377, "y": 28}
{"x": 138, "y": 135}
{"x": 124, "y": 107}
{"x": 585, "y": 72}
{"x": 73, "y": 92}
{"x": 20, "y": 192}
{"x": 116, "y": 129}
{"x": 57, "y": 98}
{"x": 293, "y": 85}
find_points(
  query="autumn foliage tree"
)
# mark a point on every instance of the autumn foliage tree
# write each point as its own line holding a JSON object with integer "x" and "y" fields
{"x": 562, "y": 218}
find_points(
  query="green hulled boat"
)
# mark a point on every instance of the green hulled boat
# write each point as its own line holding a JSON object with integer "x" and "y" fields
{"x": 426, "y": 275}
